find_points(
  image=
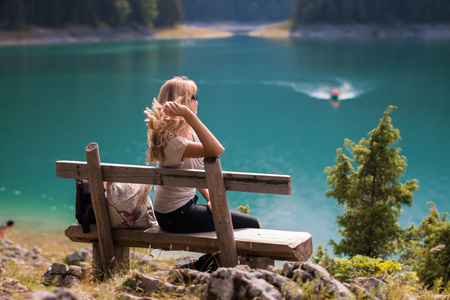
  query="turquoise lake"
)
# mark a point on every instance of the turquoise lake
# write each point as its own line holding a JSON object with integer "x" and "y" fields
{"x": 265, "y": 100}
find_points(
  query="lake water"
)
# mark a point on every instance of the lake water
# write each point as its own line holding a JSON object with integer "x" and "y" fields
{"x": 265, "y": 99}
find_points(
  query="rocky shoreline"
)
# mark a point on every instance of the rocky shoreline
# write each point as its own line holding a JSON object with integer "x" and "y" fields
{"x": 70, "y": 278}
{"x": 36, "y": 35}
{"x": 330, "y": 31}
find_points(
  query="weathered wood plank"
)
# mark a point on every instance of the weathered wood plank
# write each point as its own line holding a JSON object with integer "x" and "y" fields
{"x": 278, "y": 244}
{"x": 221, "y": 212}
{"x": 234, "y": 181}
{"x": 105, "y": 242}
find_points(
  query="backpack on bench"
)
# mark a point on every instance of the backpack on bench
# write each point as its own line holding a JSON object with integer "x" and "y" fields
{"x": 84, "y": 211}
{"x": 129, "y": 205}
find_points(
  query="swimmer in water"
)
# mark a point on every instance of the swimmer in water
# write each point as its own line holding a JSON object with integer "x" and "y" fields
{"x": 334, "y": 94}
{"x": 334, "y": 97}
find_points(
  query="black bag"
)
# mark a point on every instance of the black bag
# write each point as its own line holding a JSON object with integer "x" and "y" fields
{"x": 84, "y": 212}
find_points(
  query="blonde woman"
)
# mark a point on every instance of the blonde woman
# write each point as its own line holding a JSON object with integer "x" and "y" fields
{"x": 178, "y": 139}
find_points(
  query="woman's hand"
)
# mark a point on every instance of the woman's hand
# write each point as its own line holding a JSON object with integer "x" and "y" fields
{"x": 174, "y": 109}
{"x": 205, "y": 194}
{"x": 209, "y": 205}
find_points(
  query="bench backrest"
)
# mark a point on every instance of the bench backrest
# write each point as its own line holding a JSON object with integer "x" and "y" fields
{"x": 234, "y": 181}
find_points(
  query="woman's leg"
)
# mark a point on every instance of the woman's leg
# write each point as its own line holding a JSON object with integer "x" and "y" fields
{"x": 200, "y": 219}
{"x": 191, "y": 217}
{"x": 195, "y": 217}
{"x": 241, "y": 220}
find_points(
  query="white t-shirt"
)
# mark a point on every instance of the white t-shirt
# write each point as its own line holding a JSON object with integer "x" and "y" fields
{"x": 169, "y": 198}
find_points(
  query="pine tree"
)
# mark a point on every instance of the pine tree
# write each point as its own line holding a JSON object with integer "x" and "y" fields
{"x": 107, "y": 12}
{"x": 80, "y": 12}
{"x": 12, "y": 13}
{"x": 143, "y": 12}
{"x": 372, "y": 195}
{"x": 170, "y": 13}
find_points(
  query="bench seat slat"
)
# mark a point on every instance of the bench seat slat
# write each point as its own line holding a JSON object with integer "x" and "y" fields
{"x": 234, "y": 181}
{"x": 278, "y": 244}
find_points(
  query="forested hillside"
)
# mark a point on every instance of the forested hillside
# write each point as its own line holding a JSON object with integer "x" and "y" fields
{"x": 369, "y": 11}
{"x": 16, "y": 14}
{"x": 237, "y": 10}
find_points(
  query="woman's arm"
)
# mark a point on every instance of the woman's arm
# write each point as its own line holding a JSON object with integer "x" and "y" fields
{"x": 209, "y": 146}
{"x": 205, "y": 194}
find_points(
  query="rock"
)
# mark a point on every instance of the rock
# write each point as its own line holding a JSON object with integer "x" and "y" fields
{"x": 146, "y": 283}
{"x": 289, "y": 288}
{"x": 220, "y": 288}
{"x": 140, "y": 258}
{"x": 75, "y": 271}
{"x": 11, "y": 285}
{"x": 176, "y": 276}
{"x": 19, "y": 255}
{"x": 65, "y": 294}
{"x": 188, "y": 276}
{"x": 339, "y": 289}
{"x": 287, "y": 270}
{"x": 374, "y": 283}
{"x": 193, "y": 288}
{"x": 361, "y": 292}
{"x": 186, "y": 262}
{"x": 62, "y": 275}
{"x": 5, "y": 243}
{"x": 303, "y": 275}
{"x": 235, "y": 283}
{"x": 36, "y": 250}
{"x": 316, "y": 271}
{"x": 181, "y": 289}
{"x": 239, "y": 283}
{"x": 149, "y": 284}
{"x": 70, "y": 281}
{"x": 126, "y": 296}
{"x": 58, "y": 269}
{"x": 58, "y": 294}
{"x": 42, "y": 295}
{"x": 322, "y": 279}
{"x": 168, "y": 287}
{"x": 79, "y": 256}
{"x": 206, "y": 262}
{"x": 305, "y": 272}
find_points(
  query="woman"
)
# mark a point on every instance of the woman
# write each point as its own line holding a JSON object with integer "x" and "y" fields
{"x": 178, "y": 139}
{"x": 5, "y": 227}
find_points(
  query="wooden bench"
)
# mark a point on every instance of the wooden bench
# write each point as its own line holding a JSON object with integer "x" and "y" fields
{"x": 111, "y": 245}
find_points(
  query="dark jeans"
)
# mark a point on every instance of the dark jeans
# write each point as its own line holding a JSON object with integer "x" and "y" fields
{"x": 193, "y": 217}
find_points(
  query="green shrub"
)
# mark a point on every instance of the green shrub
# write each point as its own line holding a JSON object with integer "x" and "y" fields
{"x": 357, "y": 266}
{"x": 428, "y": 249}
{"x": 243, "y": 209}
{"x": 349, "y": 269}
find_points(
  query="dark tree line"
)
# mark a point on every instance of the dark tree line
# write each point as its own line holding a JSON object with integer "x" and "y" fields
{"x": 16, "y": 14}
{"x": 237, "y": 10}
{"x": 369, "y": 11}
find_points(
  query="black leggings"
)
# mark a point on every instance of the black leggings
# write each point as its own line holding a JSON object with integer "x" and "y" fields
{"x": 193, "y": 217}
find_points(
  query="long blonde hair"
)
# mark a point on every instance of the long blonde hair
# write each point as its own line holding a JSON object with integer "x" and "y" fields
{"x": 161, "y": 126}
